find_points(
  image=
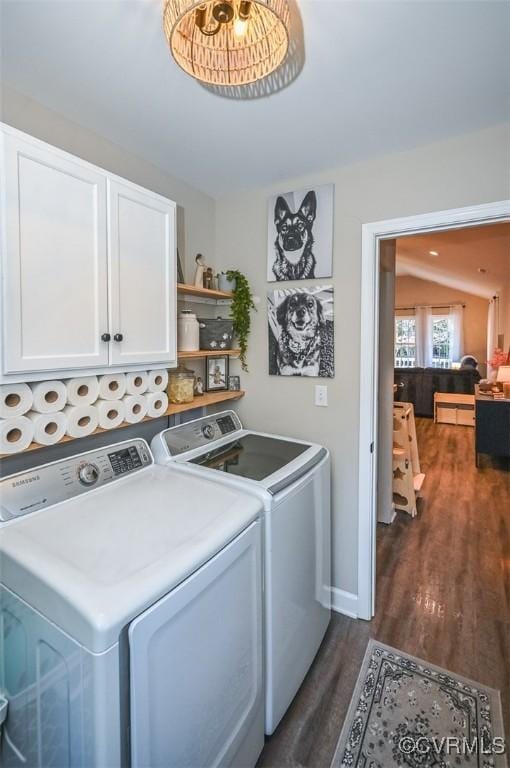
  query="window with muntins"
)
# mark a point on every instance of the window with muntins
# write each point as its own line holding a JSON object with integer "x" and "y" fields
{"x": 405, "y": 342}
{"x": 442, "y": 341}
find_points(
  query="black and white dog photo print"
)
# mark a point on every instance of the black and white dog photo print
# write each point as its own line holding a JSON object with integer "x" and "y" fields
{"x": 300, "y": 234}
{"x": 301, "y": 335}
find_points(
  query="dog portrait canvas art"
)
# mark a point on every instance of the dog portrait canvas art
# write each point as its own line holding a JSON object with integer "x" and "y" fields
{"x": 300, "y": 234}
{"x": 301, "y": 331}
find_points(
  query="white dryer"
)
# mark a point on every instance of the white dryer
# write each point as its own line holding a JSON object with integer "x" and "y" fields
{"x": 292, "y": 479}
{"x": 130, "y": 616}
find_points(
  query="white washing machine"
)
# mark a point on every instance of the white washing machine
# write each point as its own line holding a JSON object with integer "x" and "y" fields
{"x": 131, "y": 615}
{"x": 292, "y": 479}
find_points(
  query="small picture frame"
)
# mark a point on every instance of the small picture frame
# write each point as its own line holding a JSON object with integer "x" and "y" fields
{"x": 234, "y": 383}
{"x": 216, "y": 378}
{"x": 199, "y": 386}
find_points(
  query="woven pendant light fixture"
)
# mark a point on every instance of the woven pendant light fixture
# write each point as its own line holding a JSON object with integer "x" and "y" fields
{"x": 227, "y": 42}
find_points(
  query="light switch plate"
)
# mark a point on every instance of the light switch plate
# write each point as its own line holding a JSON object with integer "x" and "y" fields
{"x": 321, "y": 395}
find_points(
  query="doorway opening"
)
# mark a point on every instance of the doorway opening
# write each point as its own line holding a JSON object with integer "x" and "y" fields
{"x": 380, "y": 246}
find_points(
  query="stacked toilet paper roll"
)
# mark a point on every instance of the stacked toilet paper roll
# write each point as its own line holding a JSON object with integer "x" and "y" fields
{"x": 110, "y": 413}
{"x": 49, "y": 428}
{"x": 46, "y": 411}
{"x": 15, "y": 400}
{"x": 49, "y": 396}
{"x": 112, "y": 386}
{"x": 82, "y": 420}
{"x": 57, "y": 409}
{"x": 157, "y": 380}
{"x": 157, "y": 403}
{"x": 135, "y": 408}
{"x": 31, "y": 413}
{"x": 136, "y": 383}
{"x": 82, "y": 391}
{"x": 16, "y": 434}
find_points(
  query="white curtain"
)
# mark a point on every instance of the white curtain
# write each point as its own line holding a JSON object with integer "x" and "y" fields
{"x": 423, "y": 337}
{"x": 457, "y": 318}
{"x": 492, "y": 331}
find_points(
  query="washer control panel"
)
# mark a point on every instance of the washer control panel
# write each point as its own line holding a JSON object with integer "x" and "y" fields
{"x": 194, "y": 434}
{"x": 49, "y": 484}
{"x": 125, "y": 460}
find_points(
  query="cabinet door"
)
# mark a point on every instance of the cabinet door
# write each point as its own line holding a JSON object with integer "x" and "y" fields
{"x": 54, "y": 262}
{"x": 466, "y": 415}
{"x": 141, "y": 231}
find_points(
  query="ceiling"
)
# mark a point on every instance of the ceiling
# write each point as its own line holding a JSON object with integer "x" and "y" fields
{"x": 461, "y": 252}
{"x": 376, "y": 76}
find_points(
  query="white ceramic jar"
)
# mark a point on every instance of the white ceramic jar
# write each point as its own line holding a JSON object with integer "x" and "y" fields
{"x": 188, "y": 332}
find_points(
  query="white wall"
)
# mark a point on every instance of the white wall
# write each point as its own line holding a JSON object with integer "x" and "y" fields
{"x": 459, "y": 172}
{"x": 195, "y": 212}
{"x": 464, "y": 171}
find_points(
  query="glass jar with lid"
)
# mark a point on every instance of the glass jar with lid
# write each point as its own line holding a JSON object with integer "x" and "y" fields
{"x": 181, "y": 384}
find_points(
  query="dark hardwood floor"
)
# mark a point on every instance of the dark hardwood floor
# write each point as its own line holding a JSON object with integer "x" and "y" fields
{"x": 443, "y": 594}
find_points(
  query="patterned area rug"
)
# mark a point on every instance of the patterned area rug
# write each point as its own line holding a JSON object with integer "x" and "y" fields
{"x": 405, "y": 712}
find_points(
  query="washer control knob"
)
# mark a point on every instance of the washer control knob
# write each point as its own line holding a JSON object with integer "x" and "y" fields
{"x": 88, "y": 474}
{"x": 208, "y": 431}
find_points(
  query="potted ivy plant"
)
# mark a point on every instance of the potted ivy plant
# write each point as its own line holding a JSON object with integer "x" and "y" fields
{"x": 240, "y": 309}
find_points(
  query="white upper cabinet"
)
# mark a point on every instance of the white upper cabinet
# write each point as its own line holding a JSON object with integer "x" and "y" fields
{"x": 142, "y": 260}
{"x": 88, "y": 266}
{"x": 54, "y": 260}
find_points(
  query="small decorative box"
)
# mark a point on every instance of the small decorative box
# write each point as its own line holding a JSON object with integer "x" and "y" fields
{"x": 216, "y": 333}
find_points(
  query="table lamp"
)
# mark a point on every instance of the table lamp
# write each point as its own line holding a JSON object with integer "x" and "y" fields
{"x": 504, "y": 377}
{"x": 503, "y": 373}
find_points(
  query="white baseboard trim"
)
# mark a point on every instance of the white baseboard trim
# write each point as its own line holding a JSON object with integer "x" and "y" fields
{"x": 344, "y": 602}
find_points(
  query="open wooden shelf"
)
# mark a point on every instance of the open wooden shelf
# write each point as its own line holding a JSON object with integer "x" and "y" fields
{"x": 204, "y": 293}
{"x": 202, "y": 401}
{"x": 208, "y": 353}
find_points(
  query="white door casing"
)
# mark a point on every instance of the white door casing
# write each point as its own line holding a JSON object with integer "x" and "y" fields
{"x": 372, "y": 233}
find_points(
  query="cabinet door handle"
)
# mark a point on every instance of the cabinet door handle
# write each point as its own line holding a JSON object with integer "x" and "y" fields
{"x": 118, "y": 337}
{"x": 106, "y": 337}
